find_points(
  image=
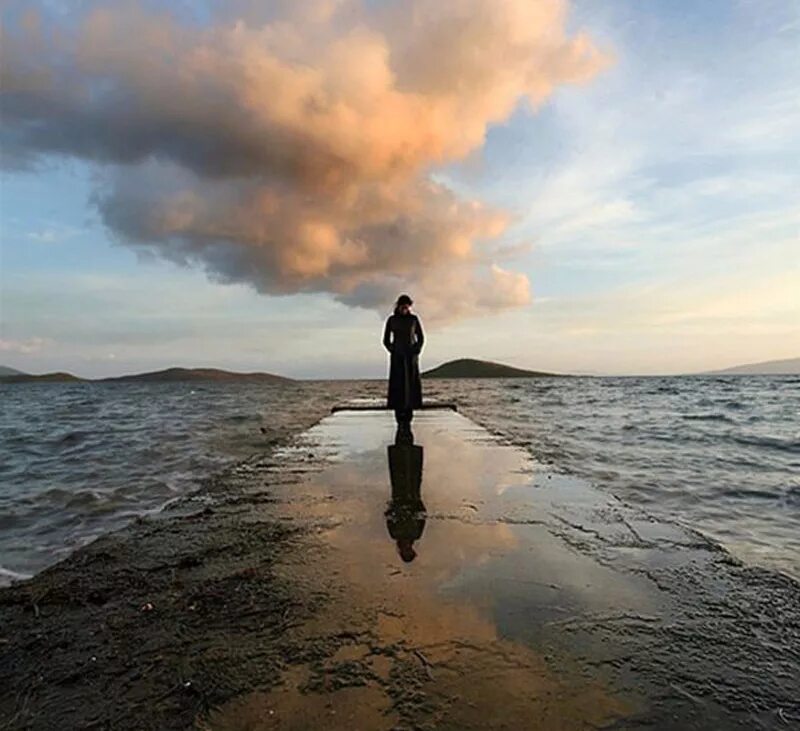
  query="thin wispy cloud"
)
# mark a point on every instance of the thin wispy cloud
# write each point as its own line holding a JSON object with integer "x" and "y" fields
{"x": 26, "y": 347}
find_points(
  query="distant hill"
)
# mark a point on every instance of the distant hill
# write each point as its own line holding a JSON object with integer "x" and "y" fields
{"x": 471, "y": 368}
{"x": 7, "y": 371}
{"x": 167, "y": 375}
{"x": 198, "y": 374}
{"x": 787, "y": 366}
{"x": 42, "y": 378}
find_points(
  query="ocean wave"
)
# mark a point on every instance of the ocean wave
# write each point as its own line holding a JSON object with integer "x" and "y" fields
{"x": 239, "y": 418}
{"x": 768, "y": 442}
{"x": 7, "y": 576}
{"x": 708, "y": 417}
{"x": 71, "y": 439}
{"x": 748, "y": 493}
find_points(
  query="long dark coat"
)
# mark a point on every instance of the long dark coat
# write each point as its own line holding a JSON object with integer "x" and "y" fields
{"x": 403, "y": 338}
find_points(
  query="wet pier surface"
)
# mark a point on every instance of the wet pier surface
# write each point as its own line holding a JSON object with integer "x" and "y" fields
{"x": 482, "y": 591}
{"x": 364, "y": 578}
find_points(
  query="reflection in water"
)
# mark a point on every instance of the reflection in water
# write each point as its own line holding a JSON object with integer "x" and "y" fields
{"x": 459, "y": 642}
{"x": 405, "y": 515}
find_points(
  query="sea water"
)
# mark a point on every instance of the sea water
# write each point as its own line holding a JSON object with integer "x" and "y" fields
{"x": 720, "y": 455}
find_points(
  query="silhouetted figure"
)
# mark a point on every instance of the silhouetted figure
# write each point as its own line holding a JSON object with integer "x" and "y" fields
{"x": 405, "y": 516}
{"x": 403, "y": 338}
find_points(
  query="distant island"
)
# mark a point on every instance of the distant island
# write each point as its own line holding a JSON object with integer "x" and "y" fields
{"x": 198, "y": 374}
{"x": 6, "y": 371}
{"x": 784, "y": 367}
{"x": 168, "y": 375}
{"x": 460, "y": 368}
{"x": 471, "y": 368}
{"x": 20, "y": 377}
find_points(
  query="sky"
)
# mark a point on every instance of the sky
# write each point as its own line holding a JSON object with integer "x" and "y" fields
{"x": 586, "y": 187}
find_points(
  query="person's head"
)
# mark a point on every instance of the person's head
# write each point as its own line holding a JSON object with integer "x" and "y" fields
{"x": 405, "y": 547}
{"x": 403, "y": 305}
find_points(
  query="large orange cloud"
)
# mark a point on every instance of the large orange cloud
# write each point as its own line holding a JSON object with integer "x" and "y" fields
{"x": 291, "y": 145}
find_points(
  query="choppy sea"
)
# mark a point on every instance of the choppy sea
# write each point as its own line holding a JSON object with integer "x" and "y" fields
{"x": 718, "y": 454}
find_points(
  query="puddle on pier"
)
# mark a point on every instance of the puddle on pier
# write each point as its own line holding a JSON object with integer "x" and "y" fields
{"x": 446, "y": 582}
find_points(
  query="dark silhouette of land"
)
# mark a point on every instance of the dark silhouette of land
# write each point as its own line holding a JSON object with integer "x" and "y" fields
{"x": 460, "y": 368}
{"x": 471, "y": 368}
{"x": 168, "y": 375}
{"x": 199, "y": 374}
{"x": 58, "y": 377}
{"x": 784, "y": 367}
{"x": 6, "y": 371}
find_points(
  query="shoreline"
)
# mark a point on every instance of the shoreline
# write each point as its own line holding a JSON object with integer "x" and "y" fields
{"x": 208, "y": 455}
{"x": 724, "y": 473}
{"x": 142, "y": 615}
{"x": 504, "y": 436}
{"x": 250, "y": 587}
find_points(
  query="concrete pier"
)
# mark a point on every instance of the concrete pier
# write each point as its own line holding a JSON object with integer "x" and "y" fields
{"x": 526, "y": 599}
{"x": 365, "y": 578}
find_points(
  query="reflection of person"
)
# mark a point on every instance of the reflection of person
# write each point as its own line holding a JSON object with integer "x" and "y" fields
{"x": 403, "y": 338}
{"x": 405, "y": 516}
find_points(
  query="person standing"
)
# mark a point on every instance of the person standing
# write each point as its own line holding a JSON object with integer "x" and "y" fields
{"x": 403, "y": 338}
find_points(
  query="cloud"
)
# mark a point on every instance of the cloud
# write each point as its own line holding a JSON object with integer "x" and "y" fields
{"x": 31, "y": 345}
{"x": 291, "y": 145}
{"x": 52, "y": 234}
